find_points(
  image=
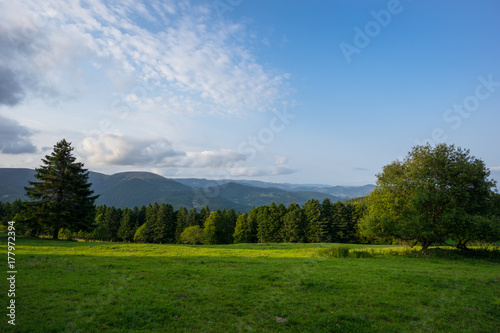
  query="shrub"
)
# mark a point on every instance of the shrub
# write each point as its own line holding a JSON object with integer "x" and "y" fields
{"x": 65, "y": 234}
{"x": 192, "y": 235}
{"x": 334, "y": 252}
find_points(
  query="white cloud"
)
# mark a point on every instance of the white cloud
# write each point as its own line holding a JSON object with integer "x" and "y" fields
{"x": 210, "y": 159}
{"x": 117, "y": 149}
{"x": 259, "y": 172}
{"x": 201, "y": 61}
{"x": 495, "y": 169}
{"x": 280, "y": 160}
{"x": 111, "y": 149}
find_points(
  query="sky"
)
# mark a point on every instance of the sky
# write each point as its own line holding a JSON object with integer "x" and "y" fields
{"x": 296, "y": 91}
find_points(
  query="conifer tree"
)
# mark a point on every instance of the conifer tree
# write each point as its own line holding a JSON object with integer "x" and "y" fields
{"x": 242, "y": 231}
{"x": 181, "y": 223}
{"x": 317, "y": 229}
{"x": 126, "y": 231}
{"x": 62, "y": 197}
{"x": 294, "y": 224}
{"x": 212, "y": 227}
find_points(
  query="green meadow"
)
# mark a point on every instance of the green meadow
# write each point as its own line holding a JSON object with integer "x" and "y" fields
{"x": 64, "y": 286}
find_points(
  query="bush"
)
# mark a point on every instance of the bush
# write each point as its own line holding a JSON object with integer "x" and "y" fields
{"x": 334, "y": 252}
{"x": 65, "y": 234}
{"x": 192, "y": 235}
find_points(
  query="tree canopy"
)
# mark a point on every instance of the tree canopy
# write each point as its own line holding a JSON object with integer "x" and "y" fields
{"x": 62, "y": 197}
{"x": 435, "y": 194}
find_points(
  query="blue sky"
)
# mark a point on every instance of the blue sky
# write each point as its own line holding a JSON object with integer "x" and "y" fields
{"x": 284, "y": 91}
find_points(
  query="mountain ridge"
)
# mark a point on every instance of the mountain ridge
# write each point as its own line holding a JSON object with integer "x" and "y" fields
{"x": 136, "y": 188}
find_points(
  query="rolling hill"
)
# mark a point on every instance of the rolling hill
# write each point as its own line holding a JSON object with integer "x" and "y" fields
{"x": 129, "y": 189}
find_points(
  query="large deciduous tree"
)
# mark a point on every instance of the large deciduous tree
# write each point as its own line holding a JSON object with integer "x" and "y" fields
{"x": 435, "y": 194}
{"x": 62, "y": 197}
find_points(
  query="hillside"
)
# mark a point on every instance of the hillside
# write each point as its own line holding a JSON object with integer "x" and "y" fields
{"x": 129, "y": 189}
{"x": 343, "y": 192}
{"x": 12, "y": 183}
{"x": 254, "y": 196}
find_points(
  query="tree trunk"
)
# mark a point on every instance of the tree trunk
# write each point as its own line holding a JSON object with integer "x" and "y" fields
{"x": 462, "y": 245}
{"x": 425, "y": 244}
{"x": 55, "y": 235}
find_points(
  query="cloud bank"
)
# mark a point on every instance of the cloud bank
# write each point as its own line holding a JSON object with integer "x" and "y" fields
{"x": 15, "y": 138}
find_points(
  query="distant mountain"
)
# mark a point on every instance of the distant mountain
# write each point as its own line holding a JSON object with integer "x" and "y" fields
{"x": 129, "y": 189}
{"x": 344, "y": 192}
{"x": 255, "y": 196}
{"x": 12, "y": 183}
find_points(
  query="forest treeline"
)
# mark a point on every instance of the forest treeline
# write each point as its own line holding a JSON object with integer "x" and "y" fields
{"x": 315, "y": 221}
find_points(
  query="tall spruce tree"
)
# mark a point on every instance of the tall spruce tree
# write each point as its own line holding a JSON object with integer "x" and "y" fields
{"x": 62, "y": 197}
{"x": 242, "y": 231}
{"x": 294, "y": 224}
{"x": 317, "y": 230}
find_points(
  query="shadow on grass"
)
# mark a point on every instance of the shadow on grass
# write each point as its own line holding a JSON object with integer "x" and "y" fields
{"x": 490, "y": 253}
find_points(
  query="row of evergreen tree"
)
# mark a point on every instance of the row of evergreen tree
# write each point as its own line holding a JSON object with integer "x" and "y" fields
{"x": 314, "y": 222}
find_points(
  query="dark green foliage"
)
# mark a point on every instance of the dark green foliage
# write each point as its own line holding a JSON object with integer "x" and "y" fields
{"x": 100, "y": 231}
{"x": 294, "y": 225}
{"x": 317, "y": 231}
{"x": 193, "y": 218}
{"x": 275, "y": 223}
{"x": 212, "y": 228}
{"x": 264, "y": 225}
{"x": 203, "y": 216}
{"x": 228, "y": 225}
{"x": 127, "y": 228}
{"x": 242, "y": 230}
{"x": 345, "y": 217}
{"x": 270, "y": 223}
{"x": 433, "y": 195}
{"x": 495, "y": 204}
{"x": 252, "y": 219}
{"x": 141, "y": 217}
{"x": 181, "y": 223}
{"x": 61, "y": 198}
{"x": 162, "y": 223}
{"x": 17, "y": 211}
{"x": 112, "y": 218}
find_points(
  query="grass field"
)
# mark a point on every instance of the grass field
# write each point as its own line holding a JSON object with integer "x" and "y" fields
{"x": 116, "y": 287}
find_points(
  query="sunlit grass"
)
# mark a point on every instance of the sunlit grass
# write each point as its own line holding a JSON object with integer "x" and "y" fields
{"x": 118, "y": 287}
